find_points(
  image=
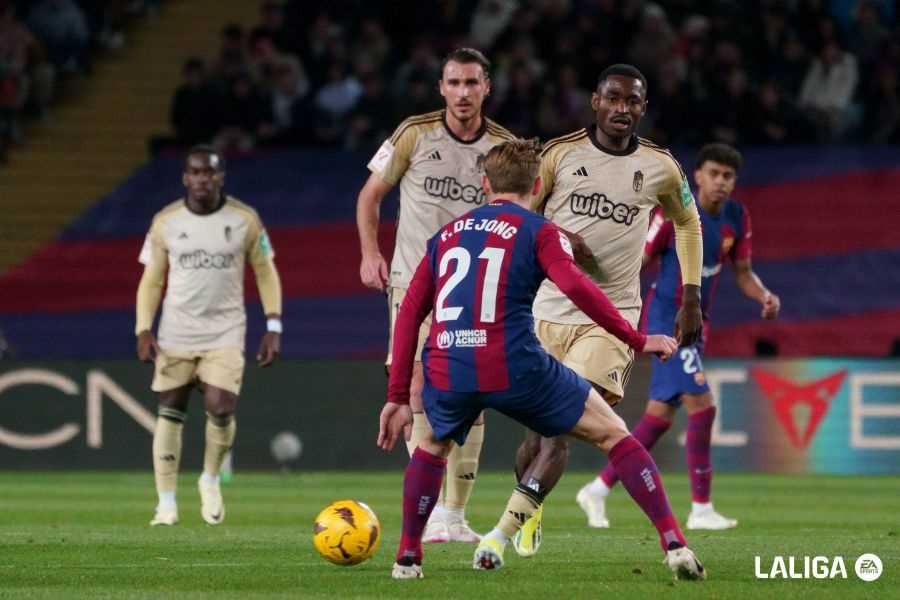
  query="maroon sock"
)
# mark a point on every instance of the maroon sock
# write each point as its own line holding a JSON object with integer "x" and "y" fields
{"x": 640, "y": 477}
{"x": 421, "y": 486}
{"x": 698, "y": 454}
{"x": 647, "y": 431}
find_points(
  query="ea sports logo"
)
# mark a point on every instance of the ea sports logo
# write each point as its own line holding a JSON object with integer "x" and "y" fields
{"x": 868, "y": 567}
{"x": 445, "y": 340}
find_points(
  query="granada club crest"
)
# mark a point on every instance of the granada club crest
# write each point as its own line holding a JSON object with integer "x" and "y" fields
{"x": 785, "y": 394}
{"x": 638, "y": 182}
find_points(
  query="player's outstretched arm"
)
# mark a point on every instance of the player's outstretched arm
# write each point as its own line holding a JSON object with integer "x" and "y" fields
{"x": 752, "y": 287}
{"x": 373, "y": 270}
{"x": 555, "y": 257}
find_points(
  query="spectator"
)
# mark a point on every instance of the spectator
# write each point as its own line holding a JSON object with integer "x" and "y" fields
{"x": 516, "y": 112}
{"x": 290, "y": 105}
{"x": 422, "y": 62}
{"x": 653, "y": 40}
{"x": 882, "y": 108}
{"x": 194, "y": 112}
{"x": 272, "y": 23}
{"x": 773, "y": 119}
{"x": 25, "y": 77}
{"x": 421, "y": 96}
{"x": 232, "y": 57}
{"x": 333, "y": 102}
{"x": 371, "y": 119}
{"x": 246, "y": 117}
{"x": 490, "y": 19}
{"x": 828, "y": 89}
{"x": 62, "y": 27}
{"x": 566, "y": 107}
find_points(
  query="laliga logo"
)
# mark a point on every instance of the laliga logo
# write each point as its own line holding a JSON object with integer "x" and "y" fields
{"x": 868, "y": 567}
{"x": 445, "y": 340}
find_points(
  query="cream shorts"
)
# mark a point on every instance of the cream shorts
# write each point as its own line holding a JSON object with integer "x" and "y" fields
{"x": 222, "y": 368}
{"x": 395, "y": 298}
{"x": 590, "y": 351}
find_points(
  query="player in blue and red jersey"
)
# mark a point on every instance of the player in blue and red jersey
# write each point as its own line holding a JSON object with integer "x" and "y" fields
{"x": 480, "y": 275}
{"x": 726, "y": 237}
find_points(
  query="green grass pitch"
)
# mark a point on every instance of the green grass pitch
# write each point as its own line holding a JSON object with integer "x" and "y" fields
{"x": 85, "y": 535}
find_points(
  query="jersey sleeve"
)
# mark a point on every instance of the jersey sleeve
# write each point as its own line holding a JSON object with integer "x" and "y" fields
{"x": 258, "y": 246}
{"x": 678, "y": 205}
{"x": 417, "y": 303}
{"x": 547, "y": 172}
{"x": 554, "y": 254}
{"x": 154, "y": 248}
{"x": 261, "y": 256}
{"x": 155, "y": 258}
{"x": 742, "y": 249}
{"x": 659, "y": 235}
{"x": 392, "y": 158}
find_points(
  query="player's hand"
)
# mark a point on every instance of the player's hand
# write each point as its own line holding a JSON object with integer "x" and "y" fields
{"x": 661, "y": 345}
{"x": 269, "y": 348}
{"x": 147, "y": 348}
{"x": 771, "y": 306}
{"x": 689, "y": 320}
{"x": 373, "y": 271}
{"x": 581, "y": 252}
{"x": 395, "y": 419}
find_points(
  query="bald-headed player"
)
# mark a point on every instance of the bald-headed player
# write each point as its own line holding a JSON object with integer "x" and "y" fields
{"x": 203, "y": 241}
{"x": 434, "y": 157}
{"x": 601, "y": 184}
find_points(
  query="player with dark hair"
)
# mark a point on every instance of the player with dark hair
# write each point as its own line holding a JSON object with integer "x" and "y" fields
{"x": 434, "y": 159}
{"x": 197, "y": 247}
{"x": 601, "y": 184}
{"x": 726, "y": 236}
{"x": 480, "y": 276}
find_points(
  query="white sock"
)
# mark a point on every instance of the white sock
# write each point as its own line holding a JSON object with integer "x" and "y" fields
{"x": 207, "y": 478}
{"x": 454, "y": 514}
{"x": 439, "y": 513}
{"x": 167, "y": 500}
{"x": 498, "y": 535}
{"x": 701, "y": 506}
{"x": 598, "y": 488}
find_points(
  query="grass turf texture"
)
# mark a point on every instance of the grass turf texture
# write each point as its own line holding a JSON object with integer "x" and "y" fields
{"x": 86, "y": 535}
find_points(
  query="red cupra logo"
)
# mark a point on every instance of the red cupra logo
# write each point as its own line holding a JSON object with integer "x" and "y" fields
{"x": 785, "y": 394}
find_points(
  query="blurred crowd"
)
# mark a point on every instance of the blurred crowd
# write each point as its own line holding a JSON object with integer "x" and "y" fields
{"x": 343, "y": 73}
{"x": 45, "y": 42}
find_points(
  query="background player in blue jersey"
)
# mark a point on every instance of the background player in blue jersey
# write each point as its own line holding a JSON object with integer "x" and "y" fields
{"x": 480, "y": 275}
{"x": 726, "y": 236}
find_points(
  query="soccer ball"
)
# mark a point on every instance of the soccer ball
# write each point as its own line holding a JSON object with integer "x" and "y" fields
{"x": 346, "y": 532}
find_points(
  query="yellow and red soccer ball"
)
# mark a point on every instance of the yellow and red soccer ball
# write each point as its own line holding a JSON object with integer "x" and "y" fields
{"x": 346, "y": 532}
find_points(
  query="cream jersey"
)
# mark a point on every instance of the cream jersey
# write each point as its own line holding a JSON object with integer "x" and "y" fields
{"x": 440, "y": 180}
{"x": 606, "y": 197}
{"x": 203, "y": 307}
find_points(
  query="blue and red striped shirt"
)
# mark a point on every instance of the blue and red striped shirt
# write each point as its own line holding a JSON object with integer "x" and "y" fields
{"x": 479, "y": 276}
{"x": 726, "y": 236}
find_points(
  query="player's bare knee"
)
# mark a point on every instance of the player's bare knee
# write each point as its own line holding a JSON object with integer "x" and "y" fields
{"x": 697, "y": 402}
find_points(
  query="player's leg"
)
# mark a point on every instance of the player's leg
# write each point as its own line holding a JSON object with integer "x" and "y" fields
{"x": 667, "y": 381}
{"x": 221, "y": 372}
{"x": 655, "y": 421}
{"x": 701, "y": 415}
{"x": 452, "y": 416}
{"x": 605, "y": 430}
{"x": 173, "y": 374}
{"x": 541, "y": 475}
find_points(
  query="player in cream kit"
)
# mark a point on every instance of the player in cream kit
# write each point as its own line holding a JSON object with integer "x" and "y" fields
{"x": 198, "y": 247}
{"x": 435, "y": 158}
{"x": 600, "y": 185}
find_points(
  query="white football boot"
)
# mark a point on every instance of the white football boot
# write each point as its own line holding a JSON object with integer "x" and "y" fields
{"x": 165, "y": 516}
{"x": 594, "y": 506}
{"x": 684, "y": 564}
{"x": 707, "y": 518}
{"x": 212, "y": 509}
{"x": 402, "y": 572}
